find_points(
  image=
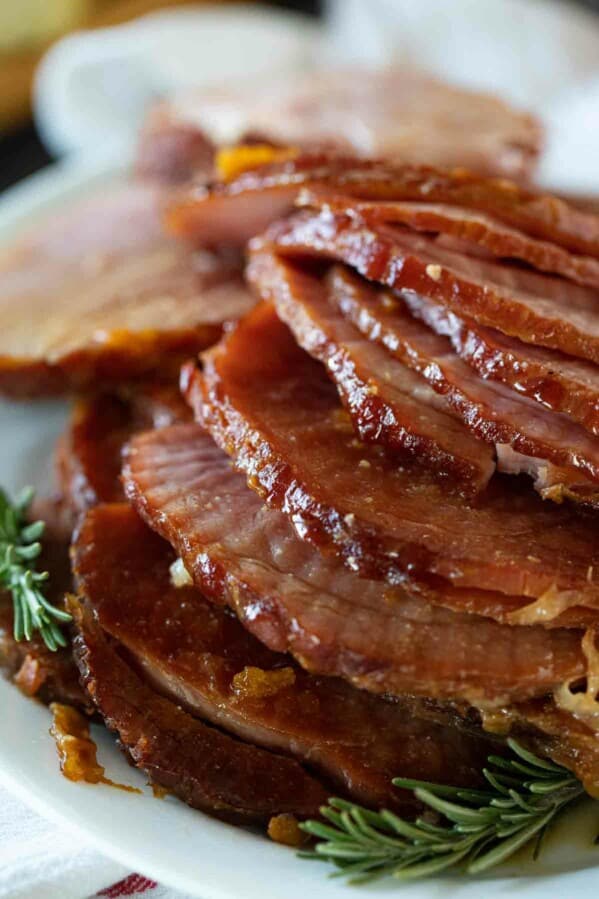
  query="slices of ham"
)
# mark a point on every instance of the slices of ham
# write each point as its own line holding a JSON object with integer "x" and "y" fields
{"x": 111, "y": 297}
{"x": 396, "y": 112}
{"x": 207, "y": 769}
{"x": 391, "y": 407}
{"x": 199, "y": 656}
{"x": 293, "y": 598}
{"x": 536, "y": 308}
{"x": 559, "y": 382}
{"x": 88, "y": 458}
{"x": 388, "y": 402}
{"x": 475, "y": 230}
{"x": 243, "y": 206}
{"x": 541, "y": 216}
{"x": 272, "y": 408}
{"x": 90, "y": 464}
{"x": 491, "y": 410}
{"x": 233, "y": 211}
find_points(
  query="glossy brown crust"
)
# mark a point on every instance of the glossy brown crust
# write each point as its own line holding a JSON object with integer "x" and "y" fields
{"x": 387, "y": 404}
{"x": 111, "y": 296}
{"x": 166, "y": 484}
{"x": 477, "y": 230}
{"x": 295, "y": 599}
{"x": 559, "y": 382}
{"x": 492, "y": 412}
{"x": 232, "y": 212}
{"x": 202, "y": 658}
{"x": 89, "y": 453}
{"x": 271, "y": 407}
{"x": 202, "y": 766}
{"x": 539, "y": 309}
{"x": 540, "y": 216}
{"x": 140, "y": 357}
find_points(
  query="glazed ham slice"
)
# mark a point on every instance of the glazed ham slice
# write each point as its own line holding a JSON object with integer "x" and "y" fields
{"x": 536, "y": 308}
{"x": 388, "y": 403}
{"x": 203, "y": 767}
{"x": 110, "y": 295}
{"x": 272, "y": 408}
{"x": 133, "y": 662}
{"x": 232, "y": 212}
{"x": 89, "y": 452}
{"x": 295, "y": 599}
{"x": 559, "y": 382}
{"x": 397, "y": 113}
{"x": 244, "y": 204}
{"x": 491, "y": 410}
{"x": 199, "y": 656}
{"x": 476, "y": 232}
{"x": 541, "y": 216}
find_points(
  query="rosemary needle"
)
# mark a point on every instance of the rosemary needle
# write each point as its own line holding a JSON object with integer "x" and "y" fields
{"x": 19, "y": 550}
{"x": 483, "y": 827}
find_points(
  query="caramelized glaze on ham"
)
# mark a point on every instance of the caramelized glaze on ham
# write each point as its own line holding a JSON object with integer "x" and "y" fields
{"x": 202, "y": 766}
{"x": 396, "y": 112}
{"x": 476, "y": 231}
{"x": 491, "y": 410}
{"x": 387, "y": 402}
{"x": 267, "y": 192}
{"x": 89, "y": 452}
{"x": 541, "y": 216}
{"x": 110, "y": 295}
{"x": 559, "y": 382}
{"x": 90, "y": 460}
{"x": 272, "y": 408}
{"x": 536, "y": 308}
{"x": 295, "y": 599}
{"x": 198, "y": 655}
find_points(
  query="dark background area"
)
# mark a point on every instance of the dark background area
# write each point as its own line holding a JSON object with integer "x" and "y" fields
{"x": 21, "y": 153}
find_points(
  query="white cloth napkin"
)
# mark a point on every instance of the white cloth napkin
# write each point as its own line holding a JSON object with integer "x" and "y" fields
{"x": 39, "y": 860}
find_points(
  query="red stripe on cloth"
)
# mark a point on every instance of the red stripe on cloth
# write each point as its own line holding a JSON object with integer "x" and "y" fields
{"x": 131, "y": 885}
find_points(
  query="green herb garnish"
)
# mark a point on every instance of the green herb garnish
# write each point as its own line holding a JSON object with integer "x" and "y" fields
{"x": 481, "y": 829}
{"x": 19, "y": 549}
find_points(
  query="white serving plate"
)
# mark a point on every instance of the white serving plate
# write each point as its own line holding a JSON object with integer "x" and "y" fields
{"x": 164, "y": 839}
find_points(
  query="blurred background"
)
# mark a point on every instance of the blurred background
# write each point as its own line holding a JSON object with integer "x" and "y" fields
{"x": 29, "y": 28}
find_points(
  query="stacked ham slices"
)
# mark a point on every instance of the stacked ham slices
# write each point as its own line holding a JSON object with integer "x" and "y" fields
{"x": 398, "y": 112}
{"x": 361, "y": 538}
{"x": 425, "y": 342}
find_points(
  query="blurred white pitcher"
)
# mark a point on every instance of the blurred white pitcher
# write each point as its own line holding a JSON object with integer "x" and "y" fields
{"x": 93, "y": 88}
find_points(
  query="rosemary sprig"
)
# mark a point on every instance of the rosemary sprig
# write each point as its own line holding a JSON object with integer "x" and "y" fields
{"x": 481, "y": 828}
{"x": 19, "y": 549}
